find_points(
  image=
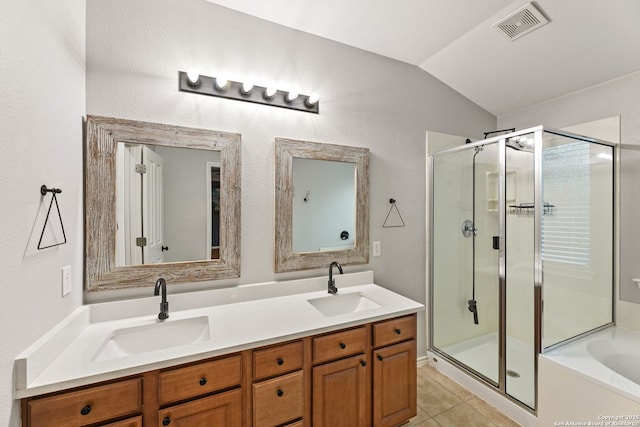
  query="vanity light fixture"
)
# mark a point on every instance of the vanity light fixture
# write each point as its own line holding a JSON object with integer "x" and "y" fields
{"x": 246, "y": 88}
{"x": 269, "y": 91}
{"x": 194, "y": 82}
{"x": 193, "y": 77}
{"x": 291, "y": 96}
{"x": 312, "y": 99}
{"x": 221, "y": 83}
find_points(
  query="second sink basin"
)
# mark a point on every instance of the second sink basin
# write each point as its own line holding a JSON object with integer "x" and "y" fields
{"x": 153, "y": 336}
{"x": 335, "y": 305}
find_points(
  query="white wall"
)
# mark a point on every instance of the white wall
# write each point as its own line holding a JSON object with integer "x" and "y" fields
{"x": 185, "y": 210}
{"x": 42, "y": 88}
{"x": 617, "y": 97}
{"x": 329, "y": 208}
{"x": 134, "y": 52}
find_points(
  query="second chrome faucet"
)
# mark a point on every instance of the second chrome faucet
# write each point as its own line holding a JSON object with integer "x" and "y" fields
{"x": 332, "y": 282}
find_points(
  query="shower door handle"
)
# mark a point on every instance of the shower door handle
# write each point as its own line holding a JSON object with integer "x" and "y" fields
{"x": 496, "y": 243}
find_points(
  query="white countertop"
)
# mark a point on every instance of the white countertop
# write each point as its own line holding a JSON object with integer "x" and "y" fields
{"x": 64, "y": 357}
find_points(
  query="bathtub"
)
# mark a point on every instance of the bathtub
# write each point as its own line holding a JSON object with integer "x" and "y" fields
{"x": 593, "y": 380}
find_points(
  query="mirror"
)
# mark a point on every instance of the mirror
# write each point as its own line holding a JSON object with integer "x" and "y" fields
{"x": 165, "y": 198}
{"x": 196, "y": 196}
{"x": 321, "y": 206}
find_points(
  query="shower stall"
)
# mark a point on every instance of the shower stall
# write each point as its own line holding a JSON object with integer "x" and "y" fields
{"x": 521, "y": 252}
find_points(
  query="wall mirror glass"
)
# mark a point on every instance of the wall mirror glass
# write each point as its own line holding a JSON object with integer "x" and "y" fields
{"x": 160, "y": 201}
{"x": 322, "y": 205}
{"x": 165, "y": 198}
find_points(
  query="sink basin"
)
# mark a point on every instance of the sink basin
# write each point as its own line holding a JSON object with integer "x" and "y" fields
{"x": 335, "y": 305}
{"x": 153, "y": 337}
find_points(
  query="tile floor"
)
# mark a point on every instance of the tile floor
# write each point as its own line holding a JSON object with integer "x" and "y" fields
{"x": 444, "y": 403}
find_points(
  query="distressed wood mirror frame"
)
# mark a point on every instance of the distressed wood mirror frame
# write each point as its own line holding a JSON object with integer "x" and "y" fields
{"x": 285, "y": 151}
{"x": 102, "y": 137}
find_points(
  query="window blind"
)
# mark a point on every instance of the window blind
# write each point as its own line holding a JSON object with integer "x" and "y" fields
{"x": 566, "y": 184}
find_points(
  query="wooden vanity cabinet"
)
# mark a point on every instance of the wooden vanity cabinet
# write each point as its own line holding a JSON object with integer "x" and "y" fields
{"x": 278, "y": 389}
{"x": 85, "y": 406}
{"x": 221, "y": 409}
{"x": 178, "y": 384}
{"x": 341, "y": 381}
{"x": 129, "y": 422}
{"x": 394, "y": 371}
{"x": 357, "y": 377}
{"x": 193, "y": 385}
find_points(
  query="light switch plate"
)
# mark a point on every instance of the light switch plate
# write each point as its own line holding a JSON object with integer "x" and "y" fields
{"x": 377, "y": 248}
{"x": 66, "y": 280}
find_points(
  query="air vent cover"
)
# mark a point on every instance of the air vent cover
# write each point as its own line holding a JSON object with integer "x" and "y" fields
{"x": 521, "y": 22}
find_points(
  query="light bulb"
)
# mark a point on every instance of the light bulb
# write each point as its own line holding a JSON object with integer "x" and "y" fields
{"x": 269, "y": 92}
{"x": 221, "y": 83}
{"x": 193, "y": 77}
{"x": 291, "y": 96}
{"x": 312, "y": 99}
{"x": 246, "y": 88}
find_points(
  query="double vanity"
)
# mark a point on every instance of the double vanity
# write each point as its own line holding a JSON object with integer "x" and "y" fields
{"x": 292, "y": 353}
{"x": 281, "y": 353}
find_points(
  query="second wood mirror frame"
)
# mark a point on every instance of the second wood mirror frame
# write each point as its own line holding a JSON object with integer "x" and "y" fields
{"x": 285, "y": 151}
{"x": 102, "y": 137}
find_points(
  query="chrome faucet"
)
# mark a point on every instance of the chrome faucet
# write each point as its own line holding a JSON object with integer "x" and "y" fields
{"x": 164, "y": 305}
{"x": 332, "y": 282}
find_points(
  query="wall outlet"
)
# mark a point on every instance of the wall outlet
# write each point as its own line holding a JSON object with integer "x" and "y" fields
{"x": 377, "y": 248}
{"x": 66, "y": 280}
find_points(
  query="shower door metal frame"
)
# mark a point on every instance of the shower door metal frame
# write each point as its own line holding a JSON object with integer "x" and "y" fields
{"x": 500, "y": 140}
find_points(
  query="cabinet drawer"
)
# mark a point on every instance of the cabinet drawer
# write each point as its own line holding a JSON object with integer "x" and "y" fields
{"x": 194, "y": 380}
{"x": 394, "y": 330}
{"x": 87, "y": 406}
{"x": 129, "y": 422}
{"x": 222, "y": 409}
{"x": 278, "y": 400}
{"x": 277, "y": 360}
{"x": 339, "y": 344}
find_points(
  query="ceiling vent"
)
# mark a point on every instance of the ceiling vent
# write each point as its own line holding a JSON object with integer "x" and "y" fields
{"x": 521, "y": 22}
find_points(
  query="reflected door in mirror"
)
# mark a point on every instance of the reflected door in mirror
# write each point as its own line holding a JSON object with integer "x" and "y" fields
{"x": 168, "y": 204}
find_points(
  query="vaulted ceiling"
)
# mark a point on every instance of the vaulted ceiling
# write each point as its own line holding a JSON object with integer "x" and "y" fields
{"x": 586, "y": 42}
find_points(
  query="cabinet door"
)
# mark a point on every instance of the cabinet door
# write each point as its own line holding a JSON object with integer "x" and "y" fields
{"x": 202, "y": 378}
{"x": 219, "y": 410}
{"x": 278, "y": 400}
{"x": 339, "y": 344}
{"x": 394, "y": 330}
{"x": 87, "y": 406}
{"x": 129, "y": 422}
{"x": 340, "y": 393}
{"x": 394, "y": 384}
{"x": 277, "y": 360}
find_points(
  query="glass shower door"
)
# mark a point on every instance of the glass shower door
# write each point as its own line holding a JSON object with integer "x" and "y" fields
{"x": 520, "y": 269}
{"x": 465, "y": 272}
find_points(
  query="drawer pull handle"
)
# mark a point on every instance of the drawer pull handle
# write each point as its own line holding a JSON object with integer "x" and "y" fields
{"x": 85, "y": 410}
{"x": 343, "y": 345}
{"x": 280, "y": 361}
{"x": 166, "y": 421}
{"x": 398, "y": 331}
{"x": 380, "y": 357}
{"x": 280, "y": 393}
{"x": 363, "y": 363}
{"x": 203, "y": 381}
